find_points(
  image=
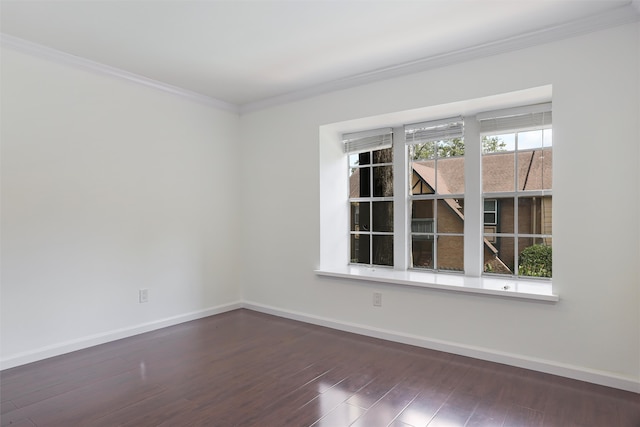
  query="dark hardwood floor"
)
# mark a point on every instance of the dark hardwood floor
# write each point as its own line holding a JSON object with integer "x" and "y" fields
{"x": 244, "y": 368}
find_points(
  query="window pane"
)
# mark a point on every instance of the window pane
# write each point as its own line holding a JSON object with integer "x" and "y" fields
{"x": 423, "y": 179}
{"x": 360, "y": 216}
{"x": 382, "y": 250}
{"x": 383, "y": 181}
{"x": 547, "y": 138}
{"x": 490, "y": 205}
{"x": 490, "y": 218}
{"x": 534, "y": 169}
{"x": 422, "y": 251}
{"x": 530, "y": 139}
{"x": 450, "y": 178}
{"x": 364, "y": 158}
{"x": 534, "y": 215}
{"x": 450, "y": 148}
{"x": 498, "y": 172}
{"x": 450, "y": 253}
{"x": 505, "y": 215}
{"x": 498, "y": 143}
{"x": 498, "y": 254}
{"x": 382, "y": 216}
{"x": 422, "y": 210}
{"x": 534, "y": 257}
{"x": 383, "y": 156}
{"x": 359, "y": 185}
{"x": 360, "y": 248}
{"x": 423, "y": 151}
{"x": 450, "y": 216}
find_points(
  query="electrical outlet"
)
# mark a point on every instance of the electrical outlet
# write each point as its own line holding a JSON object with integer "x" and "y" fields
{"x": 143, "y": 295}
{"x": 377, "y": 299}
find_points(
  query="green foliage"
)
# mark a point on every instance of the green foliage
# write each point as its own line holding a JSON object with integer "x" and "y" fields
{"x": 535, "y": 261}
{"x": 454, "y": 147}
{"x": 493, "y": 144}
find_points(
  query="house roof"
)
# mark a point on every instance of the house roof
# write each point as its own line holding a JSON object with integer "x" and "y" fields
{"x": 534, "y": 172}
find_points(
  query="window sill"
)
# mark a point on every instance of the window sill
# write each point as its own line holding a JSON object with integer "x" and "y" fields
{"x": 503, "y": 287}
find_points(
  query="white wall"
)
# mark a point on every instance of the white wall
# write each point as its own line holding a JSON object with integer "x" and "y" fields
{"x": 595, "y": 328}
{"x": 109, "y": 187}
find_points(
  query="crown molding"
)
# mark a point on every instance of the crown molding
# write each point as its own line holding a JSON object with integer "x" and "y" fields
{"x": 619, "y": 16}
{"x": 58, "y": 56}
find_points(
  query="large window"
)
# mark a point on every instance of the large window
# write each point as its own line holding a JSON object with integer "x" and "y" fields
{"x": 480, "y": 178}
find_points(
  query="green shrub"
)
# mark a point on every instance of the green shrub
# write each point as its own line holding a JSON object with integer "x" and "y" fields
{"x": 535, "y": 261}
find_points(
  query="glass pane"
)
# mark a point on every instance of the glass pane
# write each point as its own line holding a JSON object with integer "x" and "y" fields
{"x": 490, "y": 205}
{"x": 498, "y": 143}
{"x": 534, "y": 215}
{"x": 450, "y": 216}
{"x": 534, "y": 170}
{"x": 498, "y": 172}
{"x": 451, "y": 148}
{"x": 547, "y": 138}
{"x": 354, "y": 160}
{"x": 489, "y": 218}
{"x": 382, "y": 216}
{"x": 359, "y": 185}
{"x": 530, "y": 139}
{"x": 498, "y": 254}
{"x": 383, "y": 181}
{"x": 364, "y": 158}
{"x": 423, "y": 179}
{"x": 505, "y": 215}
{"x": 382, "y": 250}
{"x": 534, "y": 257}
{"x": 422, "y": 251}
{"x": 450, "y": 178}
{"x": 423, "y": 151}
{"x": 360, "y": 216}
{"x": 451, "y": 253}
{"x": 360, "y": 248}
{"x": 547, "y": 168}
{"x": 383, "y": 156}
{"x": 421, "y": 210}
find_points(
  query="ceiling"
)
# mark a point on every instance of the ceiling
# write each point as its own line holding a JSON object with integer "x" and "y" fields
{"x": 250, "y": 53}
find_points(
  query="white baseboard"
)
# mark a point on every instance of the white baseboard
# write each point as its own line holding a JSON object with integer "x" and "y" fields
{"x": 92, "y": 340}
{"x": 540, "y": 365}
{"x": 546, "y": 366}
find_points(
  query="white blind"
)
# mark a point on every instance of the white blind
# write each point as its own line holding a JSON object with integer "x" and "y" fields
{"x": 375, "y": 139}
{"x": 435, "y": 130}
{"x": 515, "y": 119}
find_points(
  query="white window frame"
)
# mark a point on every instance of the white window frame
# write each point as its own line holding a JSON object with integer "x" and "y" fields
{"x": 334, "y": 246}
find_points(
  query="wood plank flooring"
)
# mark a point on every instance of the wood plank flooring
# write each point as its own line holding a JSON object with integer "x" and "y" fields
{"x": 244, "y": 368}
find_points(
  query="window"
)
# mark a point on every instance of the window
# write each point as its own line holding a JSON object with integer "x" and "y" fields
{"x": 436, "y": 155}
{"x": 371, "y": 197}
{"x": 461, "y": 194}
{"x": 517, "y": 176}
{"x": 490, "y": 212}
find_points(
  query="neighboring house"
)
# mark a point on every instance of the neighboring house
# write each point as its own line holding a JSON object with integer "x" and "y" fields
{"x": 534, "y": 173}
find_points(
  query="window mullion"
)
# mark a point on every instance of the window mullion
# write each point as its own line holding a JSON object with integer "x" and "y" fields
{"x": 473, "y": 204}
{"x": 401, "y": 212}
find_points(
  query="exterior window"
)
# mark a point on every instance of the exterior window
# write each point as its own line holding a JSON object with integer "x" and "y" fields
{"x": 490, "y": 212}
{"x": 436, "y": 152}
{"x": 371, "y": 206}
{"x": 517, "y": 177}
